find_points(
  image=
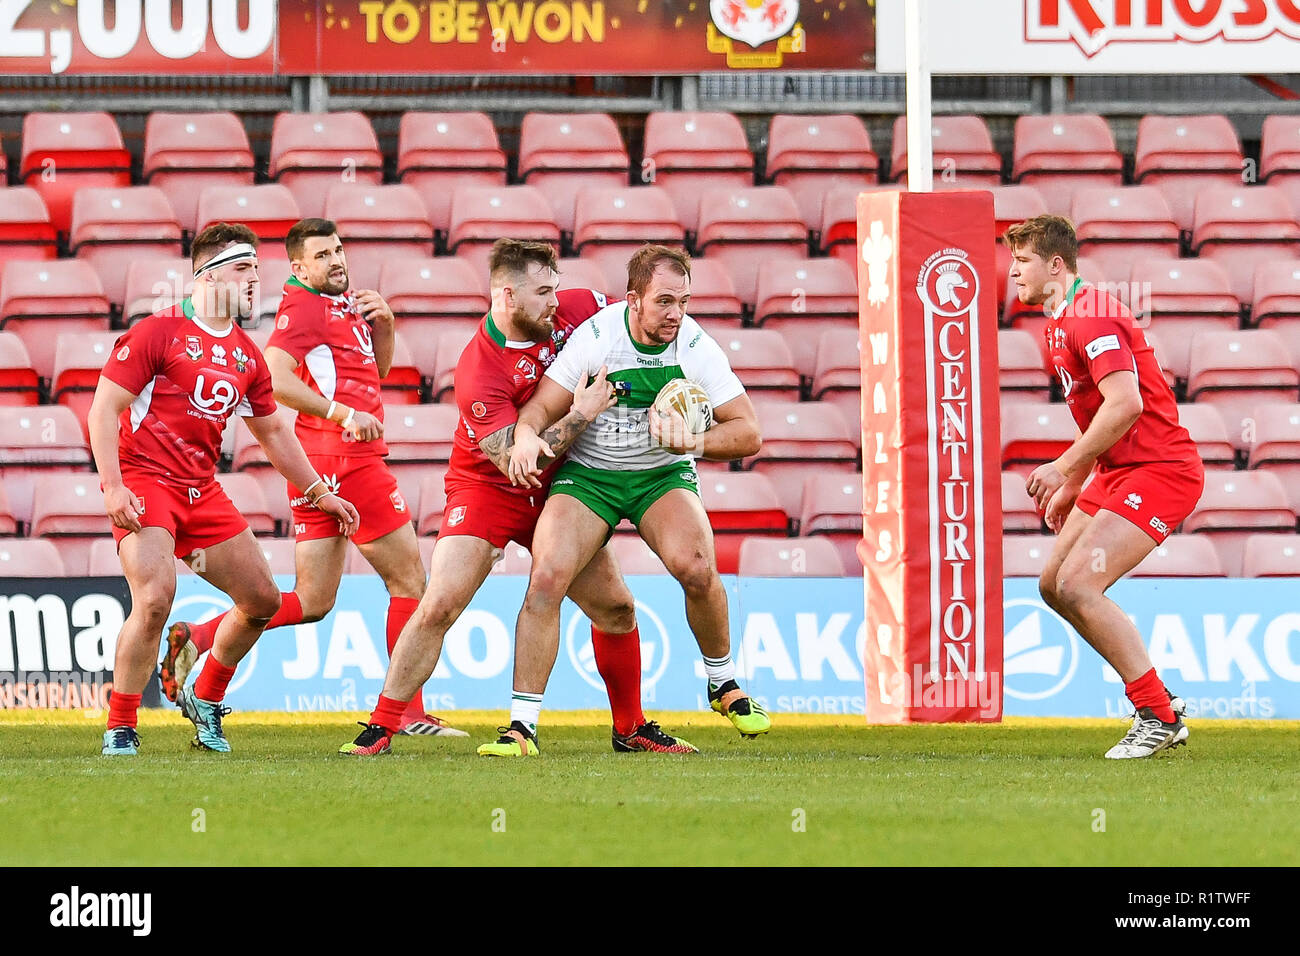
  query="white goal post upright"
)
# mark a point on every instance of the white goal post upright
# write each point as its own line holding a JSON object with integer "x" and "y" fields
{"x": 920, "y": 155}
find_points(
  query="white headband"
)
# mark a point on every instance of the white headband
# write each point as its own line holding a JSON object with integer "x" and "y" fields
{"x": 236, "y": 253}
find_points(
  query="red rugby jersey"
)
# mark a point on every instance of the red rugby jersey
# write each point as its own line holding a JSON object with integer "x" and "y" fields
{"x": 188, "y": 380}
{"x": 332, "y": 344}
{"x": 1094, "y": 335}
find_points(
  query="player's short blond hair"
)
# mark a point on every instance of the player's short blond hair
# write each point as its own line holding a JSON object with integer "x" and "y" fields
{"x": 1046, "y": 237}
{"x": 641, "y": 267}
{"x": 511, "y": 258}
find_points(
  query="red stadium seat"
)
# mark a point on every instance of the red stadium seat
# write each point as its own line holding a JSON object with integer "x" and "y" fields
{"x": 448, "y": 347}
{"x": 186, "y": 152}
{"x": 633, "y": 555}
{"x": 692, "y": 155}
{"x": 746, "y": 225}
{"x": 66, "y": 152}
{"x": 402, "y": 384}
{"x": 1178, "y": 298}
{"x": 30, "y": 558}
{"x": 802, "y": 299}
{"x": 611, "y": 224}
{"x": 417, "y": 436}
{"x": 25, "y": 228}
{"x": 280, "y": 554}
{"x": 796, "y": 434}
{"x": 1273, "y": 431}
{"x": 248, "y": 458}
{"x": 246, "y": 494}
{"x": 962, "y": 148}
{"x": 1276, "y": 302}
{"x": 310, "y": 152}
{"x": 563, "y": 153}
{"x": 1162, "y": 353}
{"x": 440, "y": 154}
{"x": 1034, "y": 433}
{"x": 8, "y": 522}
{"x": 789, "y": 558}
{"x": 1061, "y": 153}
{"x": 1235, "y": 505}
{"x": 1239, "y": 226}
{"x": 1279, "y": 160}
{"x": 1181, "y": 556}
{"x": 839, "y": 225}
{"x": 156, "y": 284}
{"x": 270, "y": 210}
{"x": 1235, "y": 371}
{"x": 838, "y": 377}
{"x": 832, "y": 508}
{"x": 1118, "y": 225}
{"x": 1021, "y": 370}
{"x": 1181, "y": 155}
{"x": 78, "y": 359}
{"x": 480, "y": 215}
{"x": 1265, "y": 556}
{"x": 433, "y": 502}
{"x": 581, "y": 274}
{"x": 103, "y": 561}
{"x": 19, "y": 383}
{"x": 811, "y": 155}
{"x": 71, "y": 509}
{"x": 38, "y": 302}
{"x": 112, "y": 228}
{"x": 1024, "y": 555}
{"x": 1011, "y": 205}
{"x": 1019, "y": 513}
{"x": 740, "y": 504}
{"x": 713, "y": 294}
{"x": 762, "y": 362}
{"x": 432, "y": 296}
{"x": 1205, "y": 425}
{"x": 378, "y": 224}
{"x": 273, "y": 273}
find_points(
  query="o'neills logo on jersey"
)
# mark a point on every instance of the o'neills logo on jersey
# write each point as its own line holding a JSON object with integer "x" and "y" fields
{"x": 1092, "y": 25}
{"x": 948, "y": 288}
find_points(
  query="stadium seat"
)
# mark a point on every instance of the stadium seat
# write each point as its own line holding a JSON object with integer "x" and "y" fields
{"x": 838, "y": 376}
{"x": 740, "y": 504}
{"x": 8, "y": 523}
{"x": 1235, "y": 371}
{"x": 480, "y": 215}
{"x": 30, "y": 558}
{"x": 611, "y": 224}
{"x": 71, "y": 509}
{"x": 789, "y": 558}
{"x": 19, "y": 383}
{"x": 1178, "y": 298}
{"x": 839, "y": 224}
{"x": 713, "y": 295}
{"x": 112, "y": 228}
{"x": 280, "y": 554}
{"x": 186, "y": 152}
{"x": 564, "y": 153}
{"x": 1181, "y": 155}
{"x": 40, "y": 301}
{"x": 248, "y": 458}
{"x": 1204, "y": 423}
{"x": 832, "y": 508}
{"x": 79, "y": 357}
{"x": 103, "y": 561}
{"x": 692, "y": 155}
{"x": 432, "y": 296}
{"x": 403, "y": 383}
{"x": 802, "y": 299}
{"x": 1273, "y": 444}
{"x": 1119, "y": 225}
{"x": 762, "y": 362}
{"x": 1275, "y": 304}
{"x": 1242, "y": 225}
{"x": 272, "y": 272}
{"x": 439, "y": 154}
{"x": 578, "y": 273}
{"x": 1025, "y": 555}
{"x": 310, "y": 152}
{"x": 798, "y": 436}
{"x": 1011, "y": 205}
{"x": 1021, "y": 370}
{"x": 747, "y": 225}
{"x": 1019, "y": 513}
{"x": 156, "y": 284}
{"x": 448, "y": 347}
{"x": 66, "y": 152}
{"x": 433, "y": 501}
{"x": 249, "y": 500}
{"x": 270, "y": 210}
{"x": 1162, "y": 353}
{"x": 1279, "y": 159}
{"x": 1034, "y": 433}
{"x": 1061, "y": 153}
{"x": 961, "y": 148}
{"x": 1181, "y": 556}
{"x": 25, "y": 228}
{"x": 1264, "y": 556}
{"x": 631, "y": 552}
{"x": 810, "y": 155}
{"x": 378, "y": 224}
{"x": 1235, "y": 505}
{"x": 418, "y": 436}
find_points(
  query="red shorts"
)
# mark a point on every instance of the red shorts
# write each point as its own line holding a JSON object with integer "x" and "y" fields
{"x": 367, "y": 483}
{"x": 491, "y": 513}
{"x": 196, "y": 516}
{"x": 1156, "y": 497}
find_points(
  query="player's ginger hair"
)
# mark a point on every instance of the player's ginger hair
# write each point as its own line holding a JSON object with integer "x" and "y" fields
{"x": 641, "y": 267}
{"x": 1046, "y": 237}
{"x": 216, "y": 237}
{"x": 511, "y": 258}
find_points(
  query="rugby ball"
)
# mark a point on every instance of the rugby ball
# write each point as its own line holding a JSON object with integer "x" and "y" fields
{"x": 689, "y": 400}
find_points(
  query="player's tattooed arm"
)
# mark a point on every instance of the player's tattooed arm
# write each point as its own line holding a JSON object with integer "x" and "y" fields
{"x": 559, "y": 437}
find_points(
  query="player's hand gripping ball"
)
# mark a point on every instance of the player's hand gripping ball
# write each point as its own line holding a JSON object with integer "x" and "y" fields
{"x": 689, "y": 400}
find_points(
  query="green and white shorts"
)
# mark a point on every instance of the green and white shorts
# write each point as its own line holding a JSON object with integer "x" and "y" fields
{"x": 614, "y": 495}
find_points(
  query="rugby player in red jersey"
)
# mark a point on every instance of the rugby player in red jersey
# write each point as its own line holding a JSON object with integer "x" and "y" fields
{"x": 161, "y": 405}
{"x": 1146, "y": 473}
{"x": 497, "y": 372}
{"x": 328, "y": 352}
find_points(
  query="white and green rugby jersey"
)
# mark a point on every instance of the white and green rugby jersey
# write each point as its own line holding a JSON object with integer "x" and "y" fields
{"x": 619, "y": 439}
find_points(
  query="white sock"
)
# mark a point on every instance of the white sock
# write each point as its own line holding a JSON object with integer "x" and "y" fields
{"x": 527, "y": 709}
{"x": 719, "y": 670}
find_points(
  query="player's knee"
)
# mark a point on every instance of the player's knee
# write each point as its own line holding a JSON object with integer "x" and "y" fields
{"x": 153, "y": 607}
{"x": 546, "y": 587}
{"x": 316, "y": 609}
{"x": 618, "y": 616}
{"x": 1072, "y": 591}
{"x": 696, "y": 574}
{"x": 433, "y": 617}
{"x": 1047, "y": 588}
{"x": 262, "y": 604}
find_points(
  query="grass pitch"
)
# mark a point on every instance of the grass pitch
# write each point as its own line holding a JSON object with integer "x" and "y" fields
{"x": 818, "y": 790}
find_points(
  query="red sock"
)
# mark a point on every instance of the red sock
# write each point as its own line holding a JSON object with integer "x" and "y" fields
{"x": 212, "y": 683}
{"x": 388, "y": 713}
{"x": 290, "y": 613}
{"x": 122, "y": 709}
{"x": 400, "y": 610}
{"x": 1149, "y": 691}
{"x": 618, "y": 658}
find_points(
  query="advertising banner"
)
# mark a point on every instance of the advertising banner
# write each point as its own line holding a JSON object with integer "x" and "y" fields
{"x": 388, "y": 37}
